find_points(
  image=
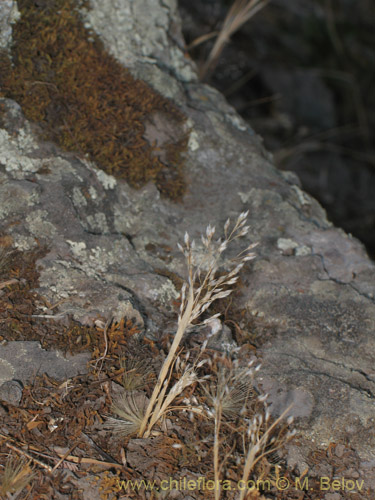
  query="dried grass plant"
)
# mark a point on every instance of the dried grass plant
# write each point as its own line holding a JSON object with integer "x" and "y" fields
{"x": 239, "y": 13}
{"x": 16, "y": 475}
{"x": 228, "y": 391}
{"x": 231, "y": 389}
{"x": 227, "y": 397}
{"x": 129, "y": 407}
{"x": 201, "y": 289}
{"x": 263, "y": 438}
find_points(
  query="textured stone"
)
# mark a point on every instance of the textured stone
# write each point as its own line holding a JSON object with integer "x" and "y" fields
{"x": 21, "y": 361}
{"x": 11, "y": 392}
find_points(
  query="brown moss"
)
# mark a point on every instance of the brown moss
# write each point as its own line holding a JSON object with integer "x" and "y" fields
{"x": 85, "y": 100}
{"x": 22, "y": 311}
{"x": 18, "y": 278}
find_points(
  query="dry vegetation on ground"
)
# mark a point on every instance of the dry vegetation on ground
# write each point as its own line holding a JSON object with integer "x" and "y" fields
{"x": 165, "y": 413}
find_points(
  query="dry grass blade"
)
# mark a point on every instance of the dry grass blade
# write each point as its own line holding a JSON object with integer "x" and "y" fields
{"x": 240, "y": 12}
{"x": 17, "y": 475}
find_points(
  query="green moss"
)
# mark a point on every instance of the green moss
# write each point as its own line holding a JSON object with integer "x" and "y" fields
{"x": 85, "y": 100}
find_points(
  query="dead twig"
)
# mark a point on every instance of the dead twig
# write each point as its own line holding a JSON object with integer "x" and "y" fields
{"x": 8, "y": 283}
{"x": 64, "y": 457}
{"x": 30, "y": 457}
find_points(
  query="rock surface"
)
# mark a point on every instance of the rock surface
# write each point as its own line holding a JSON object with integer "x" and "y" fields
{"x": 309, "y": 295}
{"x": 22, "y": 361}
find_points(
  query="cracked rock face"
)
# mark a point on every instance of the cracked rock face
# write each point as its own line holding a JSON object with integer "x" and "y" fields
{"x": 310, "y": 292}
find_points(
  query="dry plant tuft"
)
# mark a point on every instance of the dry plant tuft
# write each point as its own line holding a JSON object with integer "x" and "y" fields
{"x": 240, "y": 12}
{"x": 228, "y": 397}
{"x": 136, "y": 373}
{"x": 16, "y": 475}
{"x": 231, "y": 390}
{"x": 263, "y": 438}
{"x": 195, "y": 299}
{"x": 129, "y": 406}
{"x": 229, "y": 394}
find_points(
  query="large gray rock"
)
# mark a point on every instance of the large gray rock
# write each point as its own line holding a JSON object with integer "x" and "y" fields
{"x": 309, "y": 296}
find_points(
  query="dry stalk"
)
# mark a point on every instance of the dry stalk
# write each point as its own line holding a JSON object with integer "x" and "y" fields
{"x": 227, "y": 397}
{"x": 105, "y": 334}
{"x": 240, "y": 12}
{"x": 163, "y": 375}
{"x": 29, "y": 457}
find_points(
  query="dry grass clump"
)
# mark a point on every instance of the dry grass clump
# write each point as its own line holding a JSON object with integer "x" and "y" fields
{"x": 230, "y": 391}
{"x": 16, "y": 475}
{"x": 242, "y": 433}
{"x": 194, "y": 301}
{"x": 263, "y": 438}
{"x": 231, "y": 402}
{"x": 136, "y": 373}
{"x": 130, "y": 404}
{"x": 198, "y": 292}
{"x": 129, "y": 407}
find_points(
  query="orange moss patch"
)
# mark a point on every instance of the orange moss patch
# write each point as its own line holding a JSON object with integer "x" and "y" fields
{"x": 85, "y": 100}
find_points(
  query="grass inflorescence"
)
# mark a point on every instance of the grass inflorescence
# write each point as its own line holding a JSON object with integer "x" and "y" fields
{"x": 195, "y": 300}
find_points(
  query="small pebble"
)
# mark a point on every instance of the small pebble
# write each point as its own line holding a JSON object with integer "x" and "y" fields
{"x": 332, "y": 496}
{"x": 351, "y": 473}
{"x": 11, "y": 392}
{"x": 339, "y": 450}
